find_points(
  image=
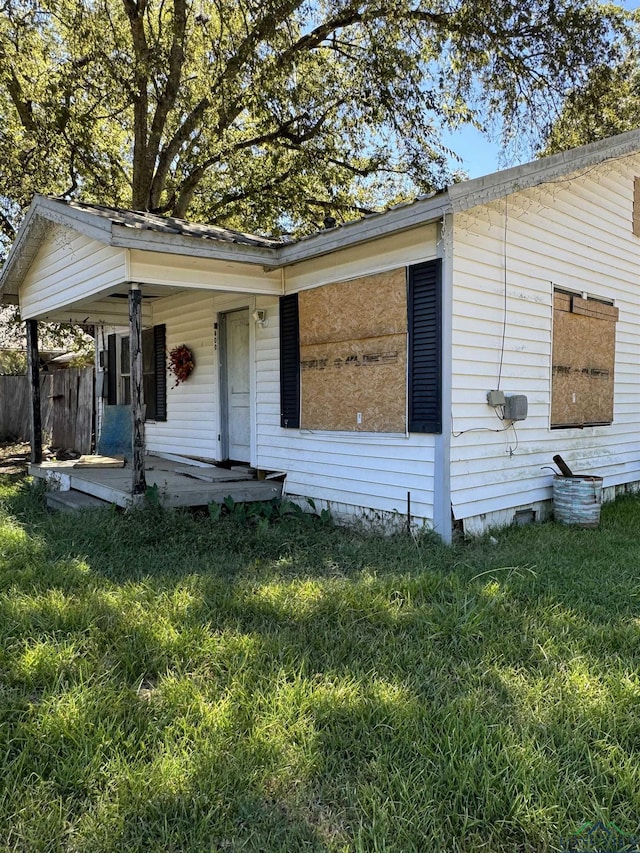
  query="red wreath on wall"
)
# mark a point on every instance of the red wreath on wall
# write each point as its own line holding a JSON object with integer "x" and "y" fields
{"x": 181, "y": 363}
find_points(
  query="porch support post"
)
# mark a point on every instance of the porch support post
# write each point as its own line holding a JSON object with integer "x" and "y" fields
{"x": 139, "y": 483}
{"x": 33, "y": 369}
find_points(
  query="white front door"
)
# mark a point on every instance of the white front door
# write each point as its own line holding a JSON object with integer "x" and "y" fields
{"x": 236, "y": 381}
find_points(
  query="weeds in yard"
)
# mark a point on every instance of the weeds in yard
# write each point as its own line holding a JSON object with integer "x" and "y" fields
{"x": 264, "y": 513}
{"x": 172, "y": 684}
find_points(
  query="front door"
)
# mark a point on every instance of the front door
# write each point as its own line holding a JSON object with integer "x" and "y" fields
{"x": 235, "y": 386}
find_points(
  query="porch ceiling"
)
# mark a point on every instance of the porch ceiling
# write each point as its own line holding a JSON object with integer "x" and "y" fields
{"x": 103, "y": 310}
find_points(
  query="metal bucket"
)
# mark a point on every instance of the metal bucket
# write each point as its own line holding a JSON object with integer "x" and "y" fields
{"x": 577, "y": 500}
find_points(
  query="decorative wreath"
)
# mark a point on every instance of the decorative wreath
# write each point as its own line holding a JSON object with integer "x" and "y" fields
{"x": 181, "y": 363}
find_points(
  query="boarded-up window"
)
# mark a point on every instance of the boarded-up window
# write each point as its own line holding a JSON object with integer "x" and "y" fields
{"x": 584, "y": 343}
{"x": 353, "y": 354}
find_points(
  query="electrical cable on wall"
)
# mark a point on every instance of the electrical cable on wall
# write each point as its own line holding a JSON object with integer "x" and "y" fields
{"x": 504, "y": 306}
{"x": 547, "y": 187}
{"x": 479, "y": 429}
{"x": 510, "y": 425}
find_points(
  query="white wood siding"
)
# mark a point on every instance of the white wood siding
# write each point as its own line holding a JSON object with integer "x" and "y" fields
{"x": 191, "y": 427}
{"x": 193, "y": 408}
{"x": 374, "y": 471}
{"x": 386, "y": 253}
{"x": 206, "y": 273}
{"x": 68, "y": 268}
{"x": 351, "y": 470}
{"x": 348, "y": 469}
{"x": 569, "y": 234}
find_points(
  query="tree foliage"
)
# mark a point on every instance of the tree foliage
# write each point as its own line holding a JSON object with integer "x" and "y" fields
{"x": 607, "y": 104}
{"x": 267, "y": 114}
{"x": 66, "y": 337}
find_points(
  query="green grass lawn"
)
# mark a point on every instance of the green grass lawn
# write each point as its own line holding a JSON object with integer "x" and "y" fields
{"x": 171, "y": 683}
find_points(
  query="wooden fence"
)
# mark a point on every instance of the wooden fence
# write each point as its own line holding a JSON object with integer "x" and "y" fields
{"x": 66, "y": 408}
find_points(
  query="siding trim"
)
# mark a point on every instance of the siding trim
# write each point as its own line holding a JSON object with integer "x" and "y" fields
{"x": 442, "y": 515}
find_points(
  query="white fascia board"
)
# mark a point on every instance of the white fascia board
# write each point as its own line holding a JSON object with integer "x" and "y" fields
{"x": 123, "y": 236}
{"x": 23, "y": 250}
{"x": 397, "y": 219}
{"x": 43, "y": 210}
{"x": 95, "y": 227}
{"x": 468, "y": 194}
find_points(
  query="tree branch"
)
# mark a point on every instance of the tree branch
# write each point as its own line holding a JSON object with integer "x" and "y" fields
{"x": 23, "y": 107}
{"x": 285, "y": 132}
{"x": 135, "y": 10}
{"x": 231, "y": 198}
{"x": 7, "y": 226}
{"x": 167, "y": 100}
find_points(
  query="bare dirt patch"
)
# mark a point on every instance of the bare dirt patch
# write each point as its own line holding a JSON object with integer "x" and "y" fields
{"x": 14, "y": 457}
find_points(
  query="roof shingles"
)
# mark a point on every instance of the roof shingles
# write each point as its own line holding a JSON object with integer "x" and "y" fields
{"x": 168, "y": 224}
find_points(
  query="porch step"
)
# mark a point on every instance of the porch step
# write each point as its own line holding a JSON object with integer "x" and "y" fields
{"x": 214, "y": 475}
{"x": 73, "y": 500}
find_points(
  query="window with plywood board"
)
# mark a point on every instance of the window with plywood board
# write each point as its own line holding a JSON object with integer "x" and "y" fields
{"x": 359, "y": 355}
{"x": 353, "y": 354}
{"x": 583, "y": 360}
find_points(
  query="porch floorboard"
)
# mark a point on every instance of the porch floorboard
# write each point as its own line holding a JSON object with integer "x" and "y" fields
{"x": 177, "y": 486}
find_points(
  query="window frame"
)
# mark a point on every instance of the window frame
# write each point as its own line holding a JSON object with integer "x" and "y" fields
{"x": 118, "y": 372}
{"x": 424, "y": 333}
{"x": 609, "y": 314}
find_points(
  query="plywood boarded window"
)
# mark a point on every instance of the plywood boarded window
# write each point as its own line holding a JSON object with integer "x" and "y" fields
{"x": 584, "y": 344}
{"x": 353, "y": 354}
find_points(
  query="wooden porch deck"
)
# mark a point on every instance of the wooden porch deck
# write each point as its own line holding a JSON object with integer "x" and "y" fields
{"x": 179, "y": 483}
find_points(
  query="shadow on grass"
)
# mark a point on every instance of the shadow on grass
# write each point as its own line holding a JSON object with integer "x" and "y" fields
{"x": 173, "y": 683}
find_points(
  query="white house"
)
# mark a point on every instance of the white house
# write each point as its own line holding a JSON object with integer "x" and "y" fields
{"x": 359, "y": 360}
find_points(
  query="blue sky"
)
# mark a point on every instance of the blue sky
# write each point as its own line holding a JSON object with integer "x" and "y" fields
{"x": 479, "y": 155}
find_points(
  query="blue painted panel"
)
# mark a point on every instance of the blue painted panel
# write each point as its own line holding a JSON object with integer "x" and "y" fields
{"x": 115, "y": 434}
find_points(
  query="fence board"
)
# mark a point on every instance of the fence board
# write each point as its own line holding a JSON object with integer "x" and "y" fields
{"x": 66, "y": 406}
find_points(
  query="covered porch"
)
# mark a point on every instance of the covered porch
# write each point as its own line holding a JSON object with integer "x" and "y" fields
{"x": 125, "y": 274}
{"x": 175, "y": 483}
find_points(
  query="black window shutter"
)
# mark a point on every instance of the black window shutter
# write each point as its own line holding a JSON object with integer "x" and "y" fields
{"x": 425, "y": 347}
{"x": 112, "y": 372}
{"x": 160, "y": 364}
{"x": 289, "y": 362}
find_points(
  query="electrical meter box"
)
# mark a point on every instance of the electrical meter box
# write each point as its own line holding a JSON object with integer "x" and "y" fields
{"x": 516, "y": 408}
{"x": 495, "y": 398}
